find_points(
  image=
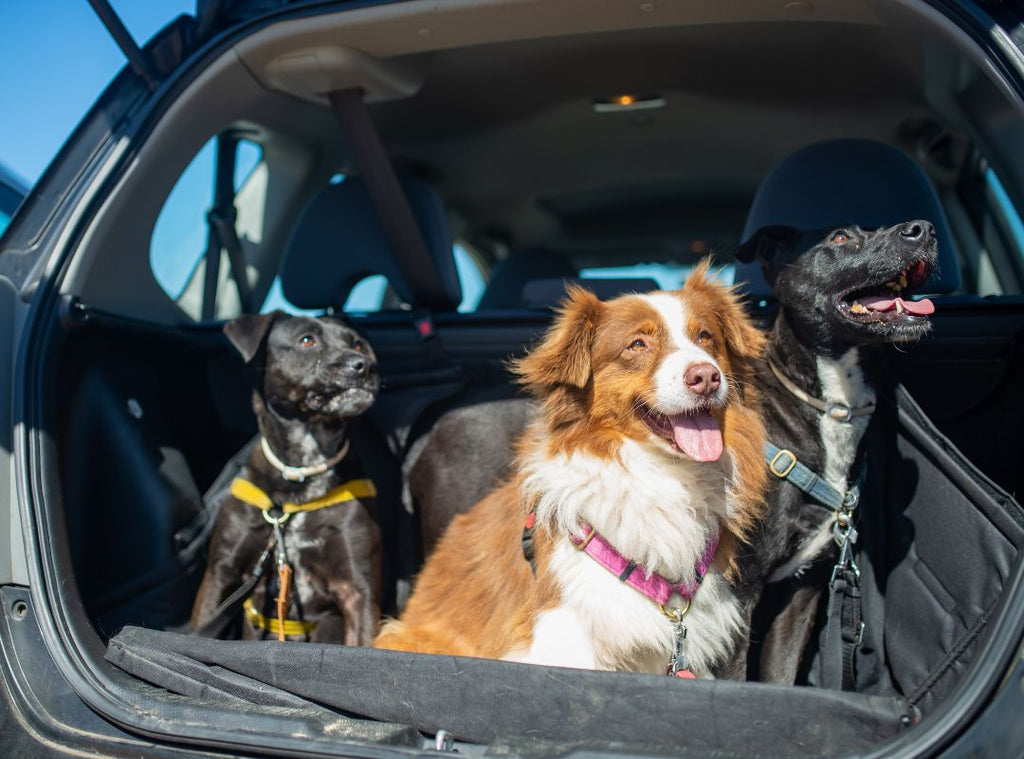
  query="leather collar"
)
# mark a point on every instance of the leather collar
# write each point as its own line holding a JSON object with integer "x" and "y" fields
{"x": 838, "y": 411}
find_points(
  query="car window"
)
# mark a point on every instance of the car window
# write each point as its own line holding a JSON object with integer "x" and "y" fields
{"x": 1006, "y": 214}
{"x": 9, "y": 200}
{"x": 994, "y": 249}
{"x": 471, "y": 277}
{"x": 669, "y": 276}
{"x": 181, "y": 234}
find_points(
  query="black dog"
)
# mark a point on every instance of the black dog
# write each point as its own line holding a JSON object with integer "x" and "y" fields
{"x": 838, "y": 292}
{"x": 301, "y": 504}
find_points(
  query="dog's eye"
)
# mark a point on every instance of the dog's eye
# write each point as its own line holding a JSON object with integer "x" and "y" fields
{"x": 840, "y": 237}
{"x": 704, "y": 336}
{"x": 637, "y": 345}
{"x": 307, "y": 341}
{"x": 359, "y": 345}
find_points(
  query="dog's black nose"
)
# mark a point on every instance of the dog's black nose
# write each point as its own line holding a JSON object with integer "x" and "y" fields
{"x": 355, "y": 364}
{"x": 917, "y": 230}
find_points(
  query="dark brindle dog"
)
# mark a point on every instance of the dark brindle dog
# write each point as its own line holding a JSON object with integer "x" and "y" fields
{"x": 838, "y": 292}
{"x": 302, "y": 489}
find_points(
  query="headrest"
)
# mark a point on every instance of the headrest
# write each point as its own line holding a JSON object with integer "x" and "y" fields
{"x": 339, "y": 241}
{"x": 547, "y": 293}
{"x": 849, "y": 181}
{"x": 505, "y": 287}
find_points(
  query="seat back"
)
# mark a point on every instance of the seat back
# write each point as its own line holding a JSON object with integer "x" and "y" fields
{"x": 338, "y": 241}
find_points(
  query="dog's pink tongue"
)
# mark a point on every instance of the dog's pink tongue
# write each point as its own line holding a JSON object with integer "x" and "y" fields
{"x": 698, "y": 436}
{"x": 882, "y": 303}
{"x": 919, "y": 307}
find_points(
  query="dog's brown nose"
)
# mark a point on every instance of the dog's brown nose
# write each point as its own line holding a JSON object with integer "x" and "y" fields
{"x": 702, "y": 378}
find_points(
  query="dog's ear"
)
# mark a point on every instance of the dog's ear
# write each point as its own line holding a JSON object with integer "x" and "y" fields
{"x": 563, "y": 357}
{"x": 248, "y": 332}
{"x": 766, "y": 243}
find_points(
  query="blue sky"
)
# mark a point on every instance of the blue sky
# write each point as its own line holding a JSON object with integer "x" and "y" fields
{"x": 55, "y": 60}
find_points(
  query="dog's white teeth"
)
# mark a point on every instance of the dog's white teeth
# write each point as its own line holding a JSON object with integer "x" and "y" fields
{"x": 899, "y": 306}
{"x": 858, "y": 308}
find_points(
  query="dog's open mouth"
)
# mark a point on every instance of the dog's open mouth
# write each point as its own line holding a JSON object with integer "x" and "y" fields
{"x": 887, "y": 302}
{"x": 697, "y": 434}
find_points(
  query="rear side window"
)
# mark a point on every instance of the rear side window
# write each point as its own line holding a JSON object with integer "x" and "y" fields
{"x": 994, "y": 258}
{"x": 181, "y": 236}
{"x": 1006, "y": 215}
{"x": 9, "y": 201}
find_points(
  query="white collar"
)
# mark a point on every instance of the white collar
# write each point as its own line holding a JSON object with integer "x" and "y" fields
{"x": 300, "y": 473}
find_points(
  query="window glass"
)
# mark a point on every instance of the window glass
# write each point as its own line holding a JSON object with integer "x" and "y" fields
{"x": 368, "y": 295}
{"x": 471, "y": 278}
{"x": 9, "y": 201}
{"x": 277, "y": 302}
{"x": 180, "y": 234}
{"x": 669, "y": 276}
{"x": 1007, "y": 212}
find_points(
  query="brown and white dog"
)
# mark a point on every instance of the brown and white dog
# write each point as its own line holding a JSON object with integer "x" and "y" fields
{"x": 649, "y": 445}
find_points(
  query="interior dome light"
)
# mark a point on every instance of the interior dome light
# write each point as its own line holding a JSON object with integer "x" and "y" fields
{"x": 627, "y": 102}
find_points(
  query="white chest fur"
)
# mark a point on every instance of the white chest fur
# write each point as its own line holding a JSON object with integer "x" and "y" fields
{"x": 657, "y": 509}
{"x": 842, "y": 381}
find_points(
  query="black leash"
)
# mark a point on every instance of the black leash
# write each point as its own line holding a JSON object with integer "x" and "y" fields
{"x": 844, "y": 625}
{"x": 225, "y": 615}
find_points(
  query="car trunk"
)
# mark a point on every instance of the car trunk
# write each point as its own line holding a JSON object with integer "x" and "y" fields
{"x": 144, "y": 431}
{"x": 133, "y": 419}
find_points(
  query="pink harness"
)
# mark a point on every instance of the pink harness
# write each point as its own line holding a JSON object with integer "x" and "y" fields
{"x": 654, "y": 586}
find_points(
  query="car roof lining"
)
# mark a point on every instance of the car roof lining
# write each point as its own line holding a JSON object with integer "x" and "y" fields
{"x": 520, "y": 155}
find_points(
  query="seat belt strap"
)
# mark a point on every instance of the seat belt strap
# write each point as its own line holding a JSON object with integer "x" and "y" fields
{"x": 388, "y": 199}
{"x": 222, "y": 235}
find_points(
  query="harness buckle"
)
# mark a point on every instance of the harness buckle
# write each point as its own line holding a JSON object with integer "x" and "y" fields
{"x": 851, "y": 499}
{"x": 583, "y": 543}
{"x": 280, "y": 518}
{"x": 675, "y": 613}
{"x": 840, "y": 412}
{"x": 783, "y": 471}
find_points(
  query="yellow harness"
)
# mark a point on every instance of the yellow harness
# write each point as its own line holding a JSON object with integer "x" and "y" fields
{"x": 352, "y": 490}
{"x": 272, "y": 625}
{"x": 248, "y": 493}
